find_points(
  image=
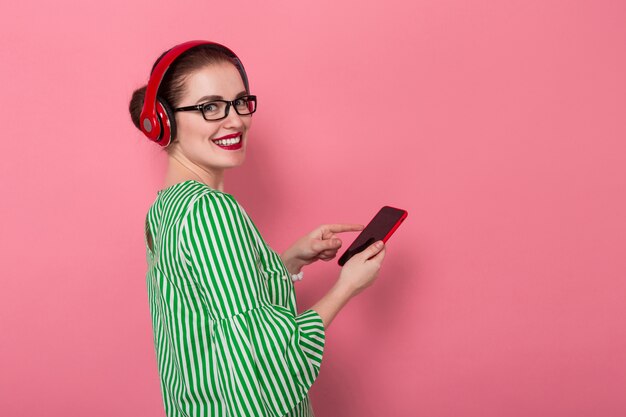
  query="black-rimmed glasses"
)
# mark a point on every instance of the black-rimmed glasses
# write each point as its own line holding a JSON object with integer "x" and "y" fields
{"x": 218, "y": 109}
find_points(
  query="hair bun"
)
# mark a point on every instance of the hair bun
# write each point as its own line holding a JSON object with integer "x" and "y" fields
{"x": 136, "y": 104}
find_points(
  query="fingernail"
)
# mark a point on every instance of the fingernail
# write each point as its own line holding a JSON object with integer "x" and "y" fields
{"x": 379, "y": 244}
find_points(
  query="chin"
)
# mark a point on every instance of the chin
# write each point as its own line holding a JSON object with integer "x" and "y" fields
{"x": 235, "y": 163}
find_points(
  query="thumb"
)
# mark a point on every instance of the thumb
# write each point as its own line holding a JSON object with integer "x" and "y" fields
{"x": 372, "y": 249}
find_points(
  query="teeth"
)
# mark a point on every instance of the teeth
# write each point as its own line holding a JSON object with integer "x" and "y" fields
{"x": 226, "y": 142}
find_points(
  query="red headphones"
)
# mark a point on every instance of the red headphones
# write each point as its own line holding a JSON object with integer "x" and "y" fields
{"x": 157, "y": 120}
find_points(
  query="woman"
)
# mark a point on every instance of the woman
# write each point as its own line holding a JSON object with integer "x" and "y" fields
{"x": 228, "y": 339}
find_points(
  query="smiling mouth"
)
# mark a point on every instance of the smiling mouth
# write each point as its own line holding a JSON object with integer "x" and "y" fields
{"x": 229, "y": 142}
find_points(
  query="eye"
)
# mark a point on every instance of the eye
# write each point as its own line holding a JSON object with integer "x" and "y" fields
{"x": 210, "y": 108}
{"x": 241, "y": 103}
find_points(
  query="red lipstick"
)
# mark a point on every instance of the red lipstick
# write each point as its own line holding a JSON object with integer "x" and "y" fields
{"x": 233, "y": 135}
{"x": 234, "y": 146}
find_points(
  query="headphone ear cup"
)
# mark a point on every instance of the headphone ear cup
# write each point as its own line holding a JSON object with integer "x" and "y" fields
{"x": 167, "y": 121}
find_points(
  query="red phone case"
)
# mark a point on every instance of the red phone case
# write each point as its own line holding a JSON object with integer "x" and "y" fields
{"x": 395, "y": 226}
{"x": 372, "y": 232}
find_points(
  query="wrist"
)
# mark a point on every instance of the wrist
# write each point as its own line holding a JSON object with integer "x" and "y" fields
{"x": 292, "y": 264}
{"x": 342, "y": 290}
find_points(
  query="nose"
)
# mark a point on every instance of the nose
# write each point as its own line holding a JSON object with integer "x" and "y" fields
{"x": 233, "y": 119}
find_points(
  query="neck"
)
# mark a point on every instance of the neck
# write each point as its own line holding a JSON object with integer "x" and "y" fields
{"x": 181, "y": 169}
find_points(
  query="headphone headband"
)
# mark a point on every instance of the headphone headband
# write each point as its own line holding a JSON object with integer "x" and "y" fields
{"x": 154, "y": 120}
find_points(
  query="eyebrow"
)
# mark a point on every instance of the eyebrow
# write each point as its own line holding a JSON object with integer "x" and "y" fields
{"x": 211, "y": 98}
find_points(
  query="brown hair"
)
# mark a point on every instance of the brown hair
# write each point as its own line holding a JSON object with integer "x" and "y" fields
{"x": 173, "y": 84}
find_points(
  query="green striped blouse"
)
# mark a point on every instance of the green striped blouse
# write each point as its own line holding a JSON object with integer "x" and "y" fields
{"x": 227, "y": 336}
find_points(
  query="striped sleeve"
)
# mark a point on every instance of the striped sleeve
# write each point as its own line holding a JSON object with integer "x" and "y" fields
{"x": 273, "y": 355}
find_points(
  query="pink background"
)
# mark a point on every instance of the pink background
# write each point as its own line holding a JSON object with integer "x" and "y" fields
{"x": 498, "y": 125}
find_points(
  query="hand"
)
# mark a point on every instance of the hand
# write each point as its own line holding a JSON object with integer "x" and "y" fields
{"x": 321, "y": 243}
{"x": 361, "y": 270}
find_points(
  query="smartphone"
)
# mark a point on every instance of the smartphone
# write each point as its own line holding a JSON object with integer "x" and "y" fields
{"x": 381, "y": 227}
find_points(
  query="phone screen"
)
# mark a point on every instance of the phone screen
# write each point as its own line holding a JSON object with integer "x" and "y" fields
{"x": 381, "y": 227}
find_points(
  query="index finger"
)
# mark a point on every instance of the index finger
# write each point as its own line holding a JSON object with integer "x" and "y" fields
{"x": 345, "y": 227}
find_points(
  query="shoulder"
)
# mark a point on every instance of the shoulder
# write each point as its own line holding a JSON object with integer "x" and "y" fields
{"x": 210, "y": 203}
{"x": 217, "y": 217}
{"x": 193, "y": 196}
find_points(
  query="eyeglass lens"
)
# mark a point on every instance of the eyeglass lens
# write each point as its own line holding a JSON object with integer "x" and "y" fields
{"x": 217, "y": 109}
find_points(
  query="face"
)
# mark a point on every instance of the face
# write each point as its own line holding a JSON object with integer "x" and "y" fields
{"x": 195, "y": 136}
